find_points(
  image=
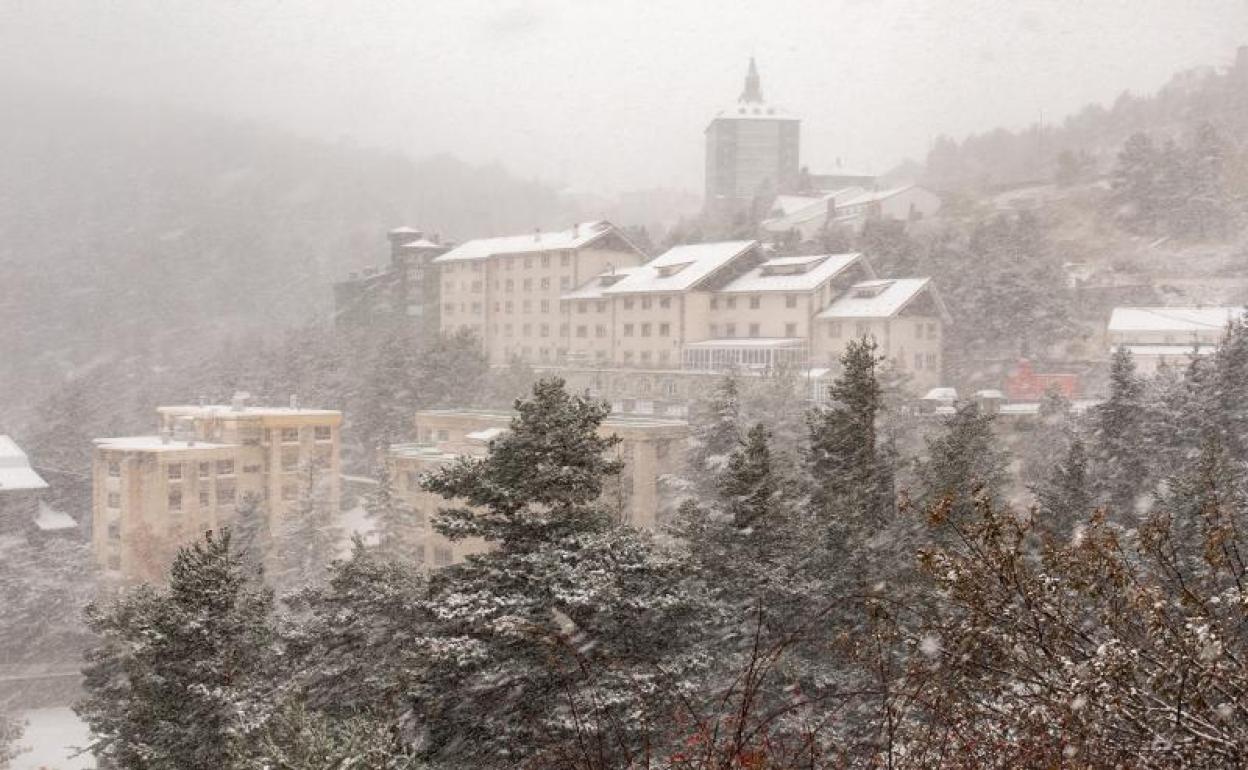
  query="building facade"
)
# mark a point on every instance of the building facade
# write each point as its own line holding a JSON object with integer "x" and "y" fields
{"x": 752, "y": 155}
{"x": 649, "y": 447}
{"x": 153, "y": 493}
{"x": 1168, "y": 336}
{"x": 507, "y": 290}
{"x": 405, "y": 292}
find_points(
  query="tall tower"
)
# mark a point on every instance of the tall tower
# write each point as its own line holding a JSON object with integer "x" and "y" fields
{"x": 752, "y": 154}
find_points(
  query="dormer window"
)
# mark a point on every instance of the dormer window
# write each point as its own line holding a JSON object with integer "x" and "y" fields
{"x": 870, "y": 289}
{"x": 666, "y": 271}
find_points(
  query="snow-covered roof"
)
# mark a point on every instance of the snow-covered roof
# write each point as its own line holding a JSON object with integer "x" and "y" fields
{"x": 15, "y": 470}
{"x": 424, "y": 243}
{"x": 419, "y": 451}
{"x": 873, "y": 196}
{"x": 747, "y": 342}
{"x": 404, "y": 230}
{"x": 681, "y": 267}
{"x": 48, "y": 519}
{"x": 574, "y": 237}
{"x": 882, "y": 298}
{"x": 156, "y": 444}
{"x": 1168, "y": 349}
{"x": 208, "y": 411}
{"x": 795, "y": 210}
{"x": 1190, "y": 318}
{"x": 485, "y": 434}
{"x": 799, "y": 273}
{"x": 941, "y": 394}
{"x": 754, "y": 111}
{"x": 594, "y": 287}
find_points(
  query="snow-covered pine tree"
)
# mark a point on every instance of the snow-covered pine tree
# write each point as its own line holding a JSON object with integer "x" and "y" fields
{"x": 394, "y": 520}
{"x": 308, "y": 534}
{"x": 10, "y": 733}
{"x": 715, "y": 432}
{"x": 572, "y": 627}
{"x": 963, "y": 465}
{"x": 1120, "y": 454}
{"x": 250, "y": 531}
{"x": 1064, "y": 498}
{"x": 1134, "y": 183}
{"x": 172, "y": 680}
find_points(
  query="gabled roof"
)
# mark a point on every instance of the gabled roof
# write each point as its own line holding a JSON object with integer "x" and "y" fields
{"x": 15, "y": 470}
{"x": 818, "y": 269}
{"x": 1188, "y": 318}
{"x": 882, "y": 298}
{"x": 681, "y": 268}
{"x": 574, "y": 237}
{"x": 795, "y": 210}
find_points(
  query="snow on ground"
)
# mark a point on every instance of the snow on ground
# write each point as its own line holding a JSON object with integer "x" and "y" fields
{"x": 52, "y": 735}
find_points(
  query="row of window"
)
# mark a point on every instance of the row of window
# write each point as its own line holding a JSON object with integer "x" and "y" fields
{"x": 509, "y": 263}
{"x": 753, "y": 330}
{"x": 665, "y": 330}
{"x": 755, "y": 300}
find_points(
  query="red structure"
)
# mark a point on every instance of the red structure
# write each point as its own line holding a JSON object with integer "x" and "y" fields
{"x": 1024, "y": 383}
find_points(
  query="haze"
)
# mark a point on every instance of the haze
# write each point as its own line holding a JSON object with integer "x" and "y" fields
{"x": 608, "y": 96}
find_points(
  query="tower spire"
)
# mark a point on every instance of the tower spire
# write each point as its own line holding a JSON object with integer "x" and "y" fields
{"x": 753, "y": 87}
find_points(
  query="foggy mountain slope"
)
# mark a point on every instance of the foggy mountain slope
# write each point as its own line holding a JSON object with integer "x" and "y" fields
{"x": 124, "y": 228}
{"x": 1091, "y": 138}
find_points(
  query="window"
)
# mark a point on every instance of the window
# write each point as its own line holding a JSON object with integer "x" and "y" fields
{"x": 545, "y": 260}
{"x": 114, "y": 530}
{"x": 790, "y": 300}
{"x": 563, "y": 330}
{"x": 527, "y": 306}
{"x": 714, "y": 330}
{"x": 582, "y": 331}
{"x": 289, "y": 492}
{"x": 665, "y": 330}
{"x": 290, "y": 459}
{"x": 205, "y": 470}
{"x": 918, "y": 360}
{"x": 290, "y": 435}
{"x": 175, "y": 499}
{"x": 790, "y": 330}
{"x": 581, "y": 307}
{"x": 114, "y": 561}
{"x": 714, "y": 303}
{"x": 600, "y": 331}
{"x": 663, "y": 356}
{"x": 251, "y": 469}
{"x": 204, "y": 501}
{"x": 754, "y": 330}
{"x": 225, "y": 492}
{"x": 730, "y": 330}
{"x": 476, "y": 287}
{"x": 834, "y": 329}
{"x": 510, "y": 306}
{"x": 545, "y": 284}
{"x": 931, "y": 361}
{"x": 114, "y": 499}
{"x": 628, "y": 330}
{"x": 645, "y": 303}
{"x": 665, "y": 302}
{"x": 545, "y": 330}
{"x": 602, "y": 306}
{"x": 509, "y": 263}
{"x": 528, "y": 263}
{"x": 755, "y": 302}
{"x": 323, "y": 432}
{"x": 476, "y": 307}
{"x": 114, "y": 469}
{"x": 731, "y": 303}
{"x": 918, "y": 330}
{"x": 565, "y": 259}
{"x": 174, "y": 470}
{"x": 444, "y": 435}
{"x": 506, "y": 330}
{"x": 628, "y": 356}
{"x": 931, "y": 331}
{"x": 526, "y": 330}
{"x": 528, "y": 284}
{"x": 225, "y": 467}
{"x": 645, "y": 356}
{"x": 509, "y": 285}
{"x": 565, "y": 283}
{"x": 645, "y": 330}
{"x": 442, "y": 556}
{"x": 545, "y": 306}
{"x": 628, "y": 303}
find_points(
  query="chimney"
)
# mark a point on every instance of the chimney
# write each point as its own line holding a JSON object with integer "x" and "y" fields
{"x": 400, "y": 237}
{"x": 294, "y": 401}
{"x": 164, "y": 435}
{"x": 576, "y": 229}
{"x": 537, "y": 234}
{"x": 238, "y": 402}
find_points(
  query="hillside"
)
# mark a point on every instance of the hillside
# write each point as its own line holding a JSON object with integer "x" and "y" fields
{"x": 134, "y": 229}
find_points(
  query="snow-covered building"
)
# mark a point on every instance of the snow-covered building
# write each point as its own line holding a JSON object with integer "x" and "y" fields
{"x": 404, "y": 292}
{"x": 21, "y": 488}
{"x": 905, "y": 317}
{"x": 649, "y": 447}
{"x": 154, "y": 492}
{"x": 851, "y": 207}
{"x": 507, "y": 290}
{"x": 1160, "y": 335}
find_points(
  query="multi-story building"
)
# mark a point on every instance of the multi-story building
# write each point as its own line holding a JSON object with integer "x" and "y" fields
{"x": 404, "y": 292}
{"x": 1168, "y": 336}
{"x": 905, "y": 317}
{"x": 153, "y": 493}
{"x": 507, "y": 290}
{"x": 752, "y": 155}
{"x": 649, "y": 447}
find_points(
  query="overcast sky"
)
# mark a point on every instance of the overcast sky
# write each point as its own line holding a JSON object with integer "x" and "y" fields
{"x": 609, "y": 95}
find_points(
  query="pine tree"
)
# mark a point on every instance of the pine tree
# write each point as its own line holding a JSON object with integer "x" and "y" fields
{"x": 1135, "y": 183}
{"x": 715, "y": 432}
{"x": 851, "y": 487}
{"x": 395, "y": 522}
{"x": 251, "y": 534}
{"x": 570, "y": 622}
{"x": 173, "y": 679}
{"x": 308, "y": 534}
{"x": 1064, "y": 498}
{"x": 963, "y": 465}
{"x": 1119, "y": 425}
{"x": 10, "y": 733}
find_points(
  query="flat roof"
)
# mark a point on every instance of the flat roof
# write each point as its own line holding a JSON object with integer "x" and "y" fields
{"x": 156, "y": 444}
{"x": 781, "y": 343}
{"x": 1178, "y": 318}
{"x": 226, "y": 410}
{"x": 574, "y": 237}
